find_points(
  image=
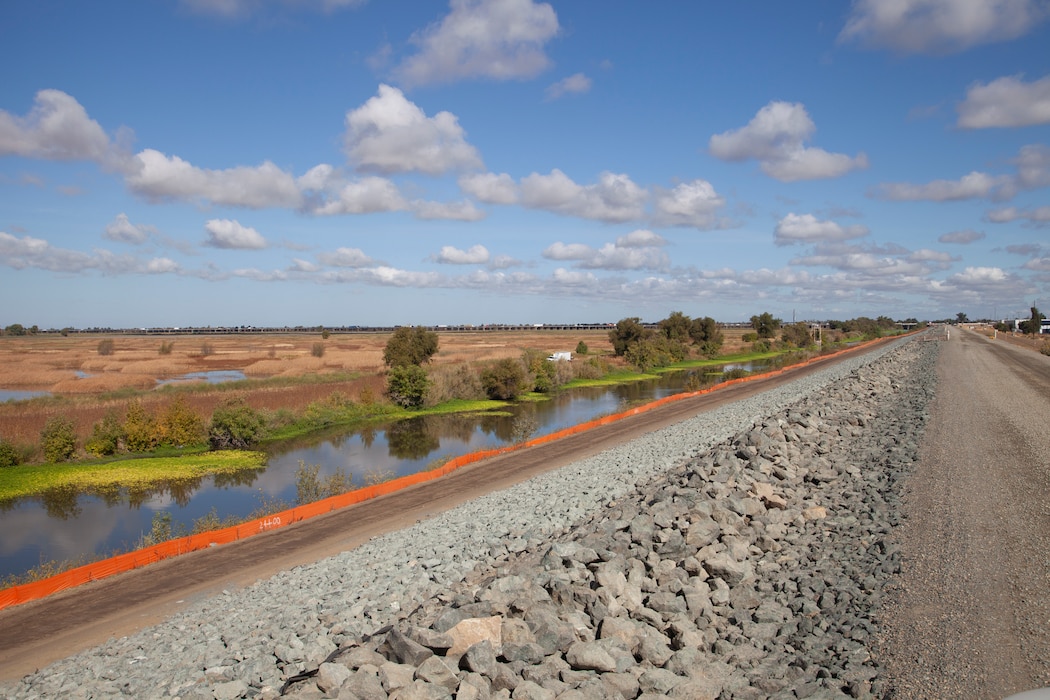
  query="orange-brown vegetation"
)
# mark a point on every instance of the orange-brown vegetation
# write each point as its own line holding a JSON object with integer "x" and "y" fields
{"x": 72, "y": 368}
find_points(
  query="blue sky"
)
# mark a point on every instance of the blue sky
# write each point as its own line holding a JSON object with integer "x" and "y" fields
{"x": 340, "y": 162}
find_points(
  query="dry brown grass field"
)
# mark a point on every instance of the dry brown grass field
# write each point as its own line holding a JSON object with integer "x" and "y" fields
{"x": 73, "y": 369}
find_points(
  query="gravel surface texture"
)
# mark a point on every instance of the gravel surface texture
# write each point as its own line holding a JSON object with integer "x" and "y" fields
{"x": 740, "y": 554}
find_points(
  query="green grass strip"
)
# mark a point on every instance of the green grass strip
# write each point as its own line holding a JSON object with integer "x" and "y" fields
{"x": 31, "y": 480}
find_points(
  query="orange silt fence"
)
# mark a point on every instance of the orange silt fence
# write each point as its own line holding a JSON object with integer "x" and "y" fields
{"x": 182, "y": 545}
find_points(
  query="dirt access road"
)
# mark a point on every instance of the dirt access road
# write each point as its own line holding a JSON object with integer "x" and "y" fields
{"x": 972, "y": 616}
{"x": 68, "y": 622}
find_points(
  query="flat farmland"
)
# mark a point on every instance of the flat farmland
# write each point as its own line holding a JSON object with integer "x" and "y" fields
{"x": 89, "y": 375}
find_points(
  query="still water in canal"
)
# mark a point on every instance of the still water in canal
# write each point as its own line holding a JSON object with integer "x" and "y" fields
{"x": 71, "y": 526}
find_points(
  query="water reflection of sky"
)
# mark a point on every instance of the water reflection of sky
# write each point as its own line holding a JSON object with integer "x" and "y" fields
{"x": 20, "y": 395}
{"x": 29, "y": 535}
{"x": 214, "y": 376}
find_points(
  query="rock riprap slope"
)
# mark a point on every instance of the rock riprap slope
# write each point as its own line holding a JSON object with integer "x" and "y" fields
{"x": 699, "y": 562}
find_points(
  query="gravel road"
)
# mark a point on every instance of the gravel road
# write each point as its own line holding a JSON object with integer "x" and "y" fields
{"x": 971, "y": 617}
{"x": 839, "y": 536}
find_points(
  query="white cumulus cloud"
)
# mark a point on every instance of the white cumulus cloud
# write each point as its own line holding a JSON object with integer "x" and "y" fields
{"x": 390, "y": 134}
{"x": 160, "y": 177}
{"x": 613, "y": 199}
{"x": 230, "y": 233}
{"x": 57, "y": 128}
{"x": 1006, "y": 102}
{"x": 448, "y": 211}
{"x": 689, "y": 204}
{"x": 491, "y": 188}
{"x": 641, "y": 238}
{"x": 495, "y": 39}
{"x": 345, "y": 257}
{"x": 475, "y": 255}
{"x": 776, "y": 138}
{"x": 806, "y": 228}
{"x": 939, "y": 26}
{"x": 366, "y": 195}
{"x": 121, "y": 229}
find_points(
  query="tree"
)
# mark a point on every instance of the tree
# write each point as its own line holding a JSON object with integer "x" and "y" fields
{"x": 627, "y": 332}
{"x": 797, "y": 334}
{"x": 235, "y": 426}
{"x": 503, "y": 380}
{"x": 15, "y": 329}
{"x": 765, "y": 325}
{"x": 676, "y": 326}
{"x": 406, "y": 385}
{"x": 961, "y": 318}
{"x": 1034, "y": 324}
{"x": 706, "y": 334}
{"x": 581, "y": 348}
{"x": 410, "y": 346}
{"x": 58, "y": 439}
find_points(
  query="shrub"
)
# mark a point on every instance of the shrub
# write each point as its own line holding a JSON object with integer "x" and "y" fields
{"x": 140, "y": 428}
{"x": 797, "y": 334}
{"x": 106, "y": 347}
{"x": 309, "y": 487}
{"x": 58, "y": 439}
{"x": 581, "y": 348}
{"x": 406, "y": 385}
{"x": 107, "y": 436}
{"x": 9, "y": 456}
{"x": 207, "y": 349}
{"x": 166, "y": 348}
{"x": 181, "y": 425}
{"x": 504, "y": 380}
{"x": 1046, "y": 348}
{"x": 453, "y": 382}
{"x": 317, "y": 350}
{"x": 235, "y": 425}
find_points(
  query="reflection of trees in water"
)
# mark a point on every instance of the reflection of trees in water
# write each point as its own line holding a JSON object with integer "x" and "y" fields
{"x": 411, "y": 439}
{"x": 456, "y": 426}
{"x": 180, "y": 491}
{"x": 61, "y": 503}
{"x": 241, "y": 477}
{"x": 496, "y": 424}
{"x": 368, "y": 436}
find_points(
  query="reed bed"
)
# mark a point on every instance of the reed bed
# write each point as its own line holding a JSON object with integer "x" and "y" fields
{"x": 282, "y": 372}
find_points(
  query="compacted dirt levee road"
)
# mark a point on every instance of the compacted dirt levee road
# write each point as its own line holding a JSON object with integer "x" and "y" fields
{"x": 43, "y": 631}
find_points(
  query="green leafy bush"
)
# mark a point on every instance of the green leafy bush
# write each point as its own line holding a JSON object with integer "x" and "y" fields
{"x": 141, "y": 433}
{"x": 181, "y": 425}
{"x": 406, "y": 385}
{"x": 9, "y": 455}
{"x": 107, "y": 436}
{"x": 58, "y": 439}
{"x": 503, "y": 380}
{"x": 235, "y": 425}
